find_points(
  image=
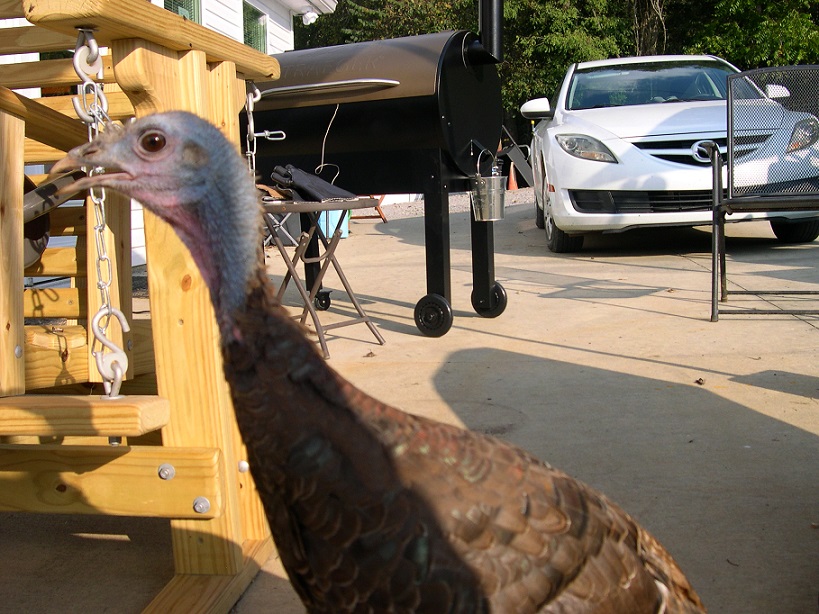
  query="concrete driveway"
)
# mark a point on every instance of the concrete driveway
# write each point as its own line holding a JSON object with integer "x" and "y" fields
{"x": 604, "y": 363}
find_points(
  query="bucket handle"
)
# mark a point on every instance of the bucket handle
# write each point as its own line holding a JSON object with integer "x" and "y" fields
{"x": 478, "y": 164}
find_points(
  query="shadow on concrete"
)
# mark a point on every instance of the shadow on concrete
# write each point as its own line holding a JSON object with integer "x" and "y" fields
{"x": 730, "y": 492}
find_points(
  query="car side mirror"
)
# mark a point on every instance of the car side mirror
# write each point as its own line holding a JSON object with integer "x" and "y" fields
{"x": 537, "y": 108}
{"x": 776, "y": 91}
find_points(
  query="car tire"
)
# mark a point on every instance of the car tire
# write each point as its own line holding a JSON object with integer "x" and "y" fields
{"x": 796, "y": 232}
{"x": 539, "y": 215}
{"x": 558, "y": 241}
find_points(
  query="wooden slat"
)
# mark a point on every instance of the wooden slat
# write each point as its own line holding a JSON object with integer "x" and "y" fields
{"x": 11, "y": 255}
{"x": 119, "y": 106}
{"x": 10, "y": 9}
{"x": 125, "y": 19}
{"x": 48, "y": 73}
{"x": 37, "y": 153}
{"x": 58, "y": 262}
{"x": 121, "y": 481}
{"x": 215, "y": 593}
{"x": 68, "y": 220}
{"x": 143, "y": 353}
{"x": 55, "y": 356}
{"x": 44, "y": 125}
{"x": 28, "y": 39}
{"x": 54, "y": 303}
{"x": 61, "y": 415}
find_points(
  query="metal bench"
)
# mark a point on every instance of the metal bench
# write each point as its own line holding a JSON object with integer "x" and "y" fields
{"x": 763, "y": 172}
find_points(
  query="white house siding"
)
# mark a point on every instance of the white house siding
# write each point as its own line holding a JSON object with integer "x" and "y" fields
{"x": 224, "y": 16}
{"x": 279, "y": 26}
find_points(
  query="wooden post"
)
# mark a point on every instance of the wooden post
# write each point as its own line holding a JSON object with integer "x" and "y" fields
{"x": 186, "y": 340}
{"x": 12, "y": 362}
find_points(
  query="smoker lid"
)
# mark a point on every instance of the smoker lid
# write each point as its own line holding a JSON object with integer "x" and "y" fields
{"x": 375, "y": 70}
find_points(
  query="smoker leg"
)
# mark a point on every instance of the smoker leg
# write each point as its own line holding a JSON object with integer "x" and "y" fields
{"x": 488, "y": 296}
{"x": 433, "y": 313}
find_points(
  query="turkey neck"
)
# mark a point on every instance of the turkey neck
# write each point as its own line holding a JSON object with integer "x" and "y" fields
{"x": 285, "y": 394}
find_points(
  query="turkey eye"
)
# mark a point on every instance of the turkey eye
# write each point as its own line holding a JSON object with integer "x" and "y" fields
{"x": 153, "y": 142}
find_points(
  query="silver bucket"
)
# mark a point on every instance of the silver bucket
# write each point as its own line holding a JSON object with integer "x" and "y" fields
{"x": 488, "y": 197}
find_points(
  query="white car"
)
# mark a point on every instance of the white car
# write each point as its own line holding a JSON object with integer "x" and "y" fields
{"x": 623, "y": 148}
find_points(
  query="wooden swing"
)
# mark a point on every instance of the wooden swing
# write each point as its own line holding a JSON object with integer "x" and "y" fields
{"x": 181, "y": 456}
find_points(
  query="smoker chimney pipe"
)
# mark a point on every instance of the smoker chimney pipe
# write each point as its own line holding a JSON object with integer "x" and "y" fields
{"x": 490, "y": 15}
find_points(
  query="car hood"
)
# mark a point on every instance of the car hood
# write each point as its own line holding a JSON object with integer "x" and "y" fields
{"x": 669, "y": 118}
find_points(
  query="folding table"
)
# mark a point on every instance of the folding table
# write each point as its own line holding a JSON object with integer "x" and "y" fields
{"x": 316, "y": 263}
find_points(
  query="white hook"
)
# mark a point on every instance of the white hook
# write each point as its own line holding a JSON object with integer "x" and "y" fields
{"x": 113, "y": 364}
{"x": 88, "y": 61}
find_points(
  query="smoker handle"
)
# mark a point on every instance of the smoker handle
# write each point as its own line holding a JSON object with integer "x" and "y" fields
{"x": 348, "y": 84}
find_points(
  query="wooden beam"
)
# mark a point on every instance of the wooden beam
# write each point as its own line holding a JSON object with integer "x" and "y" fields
{"x": 48, "y": 73}
{"x": 215, "y": 593}
{"x": 89, "y": 415}
{"x": 58, "y": 262}
{"x": 125, "y": 19}
{"x": 68, "y": 220}
{"x": 116, "y": 480}
{"x": 12, "y": 365}
{"x": 54, "y": 303}
{"x": 119, "y": 106}
{"x": 43, "y": 124}
{"x": 11, "y": 9}
{"x": 55, "y": 356}
{"x": 27, "y": 39}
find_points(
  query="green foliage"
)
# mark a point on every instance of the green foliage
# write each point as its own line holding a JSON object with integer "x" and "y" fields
{"x": 752, "y": 34}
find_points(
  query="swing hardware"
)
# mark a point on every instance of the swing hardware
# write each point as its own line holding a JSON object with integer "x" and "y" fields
{"x": 112, "y": 361}
{"x": 271, "y": 135}
{"x": 112, "y": 364}
{"x": 87, "y": 61}
{"x": 254, "y": 96}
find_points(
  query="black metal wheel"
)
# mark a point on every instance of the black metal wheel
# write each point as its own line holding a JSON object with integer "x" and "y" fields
{"x": 433, "y": 315}
{"x": 322, "y": 300}
{"x": 497, "y": 302}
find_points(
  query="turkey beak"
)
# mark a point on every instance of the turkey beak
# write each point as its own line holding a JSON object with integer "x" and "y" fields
{"x": 79, "y": 158}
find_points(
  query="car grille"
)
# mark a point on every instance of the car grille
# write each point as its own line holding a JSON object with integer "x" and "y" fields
{"x": 680, "y": 150}
{"x": 604, "y": 201}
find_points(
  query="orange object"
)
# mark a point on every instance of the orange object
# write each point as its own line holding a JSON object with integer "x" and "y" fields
{"x": 512, "y": 184}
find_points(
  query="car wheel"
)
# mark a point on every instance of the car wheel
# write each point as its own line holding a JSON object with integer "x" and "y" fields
{"x": 558, "y": 241}
{"x": 538, "y": 215}
{"x": 795, "y": 232}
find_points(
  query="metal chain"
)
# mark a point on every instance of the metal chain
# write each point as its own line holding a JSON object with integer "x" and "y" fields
{"x": 92, "y": 107}
{"x": 254, "y": 96}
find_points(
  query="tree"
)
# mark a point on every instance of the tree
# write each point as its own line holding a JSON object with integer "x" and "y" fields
{"x": 753, "y": 34}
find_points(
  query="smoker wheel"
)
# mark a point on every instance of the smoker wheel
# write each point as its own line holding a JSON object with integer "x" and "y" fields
{"x": 497, "y": 302}
{"x": 433, "y": 315}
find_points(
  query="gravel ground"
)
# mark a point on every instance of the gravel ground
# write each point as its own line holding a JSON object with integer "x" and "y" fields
{"x": 458, "y": 203}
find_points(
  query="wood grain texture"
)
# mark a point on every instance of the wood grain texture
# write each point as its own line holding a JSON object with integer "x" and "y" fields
{"x": 88, "y": 415}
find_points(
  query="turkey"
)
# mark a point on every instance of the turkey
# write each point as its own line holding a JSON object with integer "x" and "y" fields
{"x": 373, "y": 509}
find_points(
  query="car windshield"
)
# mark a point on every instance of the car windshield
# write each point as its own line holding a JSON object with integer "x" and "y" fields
{"x": 648, "y": 83}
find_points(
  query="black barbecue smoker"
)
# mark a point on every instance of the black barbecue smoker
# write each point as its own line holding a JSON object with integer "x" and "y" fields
{"x": 416, "y": 114}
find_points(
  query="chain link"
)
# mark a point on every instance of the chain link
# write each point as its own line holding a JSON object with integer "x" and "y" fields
{"x": 92, "y": 107}
{"x": 254, "y": 96}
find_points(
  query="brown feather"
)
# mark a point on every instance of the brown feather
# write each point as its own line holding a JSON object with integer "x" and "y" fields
{"x": 376, "y": 510}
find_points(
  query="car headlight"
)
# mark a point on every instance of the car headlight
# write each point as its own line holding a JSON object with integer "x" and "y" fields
{"x": 585, "y": 147}
{"x": 805, "y": 133}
